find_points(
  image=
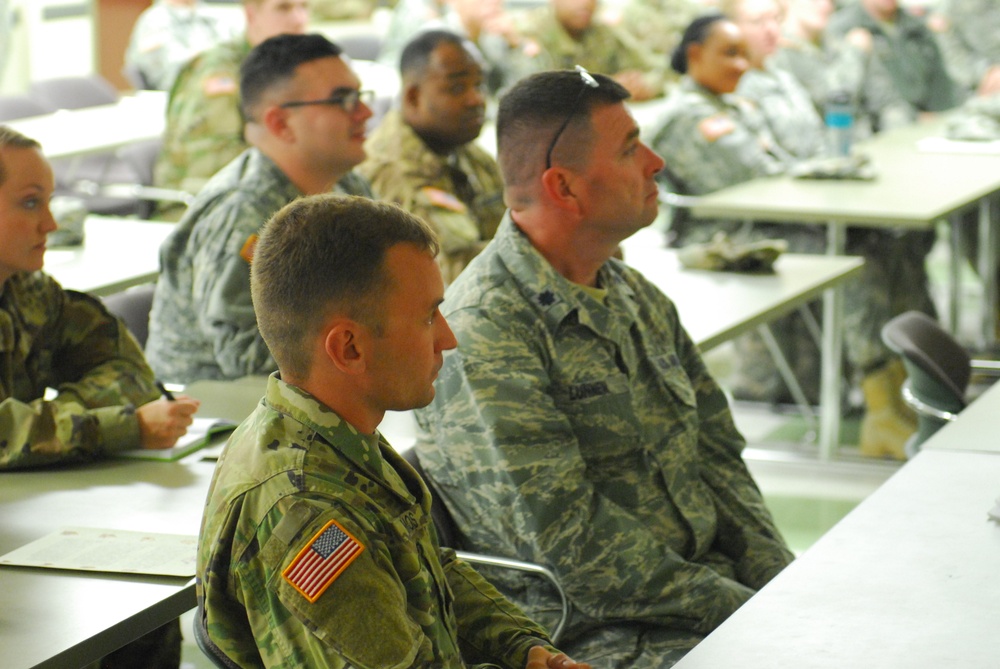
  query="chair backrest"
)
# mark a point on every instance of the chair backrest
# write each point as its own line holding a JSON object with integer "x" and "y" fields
{"x": 938, "y": 366}
{"x": 133, "y": 306}
{"x": 13, "y": 107}
{"x": 73, "y": 92}
{"x": 443, "y": 522}
{"x": 360, "y": 46}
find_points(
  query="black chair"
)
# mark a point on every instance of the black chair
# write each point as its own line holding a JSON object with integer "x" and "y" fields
{"x": 132, "y": 306}
{"x": 207, "y": 646}
{"x": 938, "y": 371}
{"x": 448, "y": 536}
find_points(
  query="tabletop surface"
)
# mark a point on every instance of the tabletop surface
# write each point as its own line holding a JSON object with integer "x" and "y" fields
{"x": 974, "y": 429}
{"x": 116, "y": 253}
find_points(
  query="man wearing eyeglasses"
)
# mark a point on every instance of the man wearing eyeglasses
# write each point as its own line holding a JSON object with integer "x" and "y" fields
{"x": 306, "y": 118}
{"x": 423, "y": 156}
{"x": 576, "y": 425}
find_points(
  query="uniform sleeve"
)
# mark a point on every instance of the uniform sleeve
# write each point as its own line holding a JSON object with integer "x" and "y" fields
{"x": 100, "y": 376}
{"x": 204, "y": 125}
{"x": 510, "y": 448}
{"x": 221, "y": 293}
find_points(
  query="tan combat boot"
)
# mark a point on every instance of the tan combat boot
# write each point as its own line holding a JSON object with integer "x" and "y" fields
{"x": 898, "y": 374}
{"x": 884, "y": 429}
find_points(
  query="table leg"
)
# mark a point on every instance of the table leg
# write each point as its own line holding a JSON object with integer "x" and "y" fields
{"x": 832, "y": 348}
{"x": 987, "y": 262}
{"x": 955, "y": 223}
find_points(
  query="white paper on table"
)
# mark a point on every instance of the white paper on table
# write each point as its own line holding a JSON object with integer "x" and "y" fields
{"x": 945, "y": 145}
{"x": 117, "y": 551}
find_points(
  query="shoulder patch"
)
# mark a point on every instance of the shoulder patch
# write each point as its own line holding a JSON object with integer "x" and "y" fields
{"x": 325, "y": 558}
{"x": 716, "y": 126}
{"x": 221, "y": 84}
{"x": 249, "y": 246}
{"x": 444, "y": 199}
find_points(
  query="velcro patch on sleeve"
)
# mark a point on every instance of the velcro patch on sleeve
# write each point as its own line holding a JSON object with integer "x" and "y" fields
{"x": 325, "y": 558}
{"x": 444, "y": 199}
{"x": 249, "y": 246}
{"x": 716, "y": 126}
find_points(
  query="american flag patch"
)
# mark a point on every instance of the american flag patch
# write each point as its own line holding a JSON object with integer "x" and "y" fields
{"x": 322, "y": 561}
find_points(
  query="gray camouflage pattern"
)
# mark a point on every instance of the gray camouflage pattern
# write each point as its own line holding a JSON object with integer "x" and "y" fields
{"x": 970, "y": 42}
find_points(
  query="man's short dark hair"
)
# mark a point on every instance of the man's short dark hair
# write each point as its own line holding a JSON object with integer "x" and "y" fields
{"x": 532, "y": 111}
{"x": 274, "y": 60}
{"x": 320, "y": 255}
{"x": 417, "y": 52}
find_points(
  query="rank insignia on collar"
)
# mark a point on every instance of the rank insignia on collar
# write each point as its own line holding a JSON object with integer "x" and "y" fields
{"x": 546, "y": 298}
{"x": 325, "y": 558}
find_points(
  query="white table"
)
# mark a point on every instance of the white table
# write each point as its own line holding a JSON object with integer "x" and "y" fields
{"x": 717, "y": 306}
{"x": 116, "y": 253}
{"x": 974, "y": 429}
{"x": 908, "y": 579}
{"x": 60, "y": 619}
{"x": 73, "y": 133}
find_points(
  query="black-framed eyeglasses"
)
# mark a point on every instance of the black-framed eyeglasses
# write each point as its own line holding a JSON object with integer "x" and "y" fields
{"x": 589, "y": 82}
{"x": 345, "y": 98}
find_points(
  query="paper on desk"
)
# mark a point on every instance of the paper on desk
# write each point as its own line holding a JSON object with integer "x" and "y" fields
{"x": 116, "y": 551}
{"x": 945, "y": 145}
{"x": 200, "y": 434}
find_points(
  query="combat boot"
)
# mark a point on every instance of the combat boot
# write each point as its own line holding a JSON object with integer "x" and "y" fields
{"x": 884, "y": 430}
{"x": 898, "y": 374}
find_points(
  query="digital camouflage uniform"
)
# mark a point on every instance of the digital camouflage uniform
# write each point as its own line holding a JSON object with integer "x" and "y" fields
{"x": 289, "y": 471}
{"x": 787, "y": 109}
{"x": 61, "y": 339}
{"x": 204, "y": 123}
{"x": 970, "y": 42}
{"x": 165, "y": 37}
{"x": 202, "y": 325}
{"x": 904, "y": 73}
{"x": 341, "y": 10}
{"x": 659, "y": 24}
{"x": 588, "y": 436}
{"x": 819, "y": 70}
{"x": 602, "y": 48}
{"x": 460, "y": 195}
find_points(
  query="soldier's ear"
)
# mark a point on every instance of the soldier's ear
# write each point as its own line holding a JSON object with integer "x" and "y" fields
{"x": 275, "y": 119}
{"x": 411, "y": 96}
{"x": 346, "y": 346}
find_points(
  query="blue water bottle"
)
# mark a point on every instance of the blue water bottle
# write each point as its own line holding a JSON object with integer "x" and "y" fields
{"x": 839, "y": 123}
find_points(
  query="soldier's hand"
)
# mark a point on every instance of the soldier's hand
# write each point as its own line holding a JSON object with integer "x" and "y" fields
{"x": 162, "y": 422}
{"x": 540, "y": 658}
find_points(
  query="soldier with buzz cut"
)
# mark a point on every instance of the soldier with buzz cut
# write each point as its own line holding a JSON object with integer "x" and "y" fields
{"x": 317, "y": 547}
{"x": 204, "y": 128}
{"x": 306, "y": 117}
{"x": 576, "y": 425}
{"x": 423, "y": 156}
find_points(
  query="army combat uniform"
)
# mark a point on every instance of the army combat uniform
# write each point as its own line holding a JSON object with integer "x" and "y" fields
{"x": 582, "y": 431}
{"x": 61, "y": 339}
{"x": 165, "y": 37}
{"x": 460, "y": 195}
{"x": 318, "y": 550}
{"x": 204, "y": 128}
{"x": 970, "y": 41}
{"x": 202, "y": 324}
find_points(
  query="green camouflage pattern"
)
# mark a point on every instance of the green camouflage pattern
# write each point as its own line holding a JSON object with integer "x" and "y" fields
{"x": 61, "y": 339}
{"x": 659, "y": 24}
{"x": 165, "y": 37}
{"x": 970, "y": 42}
{"x": 292, "y": 467}
{"x": 904, "y": 73}
{"x": 588, "y": 436}
{"x": 342, "y": 10}
{"x": 400, "y": 167}
{"x": 202, "y": 324}
{"x": 602, "y": 48}
{"x": 204, "y": 129}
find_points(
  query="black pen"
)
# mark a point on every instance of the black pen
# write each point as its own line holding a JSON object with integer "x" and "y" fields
{"x": 166, "y": 393}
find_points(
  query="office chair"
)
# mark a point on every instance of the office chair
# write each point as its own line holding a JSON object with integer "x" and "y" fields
{"x": 448, "y": 536}
{"x": 207, "y": 646}
{"x": 132, "y": 306}
{"x": 938, "y": 370}
{"x": 73, "y": 92}
{"x": 360, "y": 46}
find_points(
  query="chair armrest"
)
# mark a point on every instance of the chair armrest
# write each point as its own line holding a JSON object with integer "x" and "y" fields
{"x": 530, "y": 567}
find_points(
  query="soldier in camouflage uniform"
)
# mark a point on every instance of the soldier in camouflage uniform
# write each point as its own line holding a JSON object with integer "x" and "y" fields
{"x": 904, "y": 73}
{"x": 970, "y": 43}
{"x": 204, "y": 128}
{"x": 304, "y": 109}
{"x": 317, "y": 547}
{"x": 576, "y": 425}
{"x": 567, "y": 33}
{"x": 423, "y": 156}
{"x": 106, "y": 398}
{"x": 659, "y": 24}
{"x": 169, "y": 34}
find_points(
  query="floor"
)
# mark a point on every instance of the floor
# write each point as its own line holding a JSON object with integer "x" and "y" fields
{"x": 806, "y": 496}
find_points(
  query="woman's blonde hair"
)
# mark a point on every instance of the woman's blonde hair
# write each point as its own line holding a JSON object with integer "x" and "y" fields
{"x": 12, "y": 138}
